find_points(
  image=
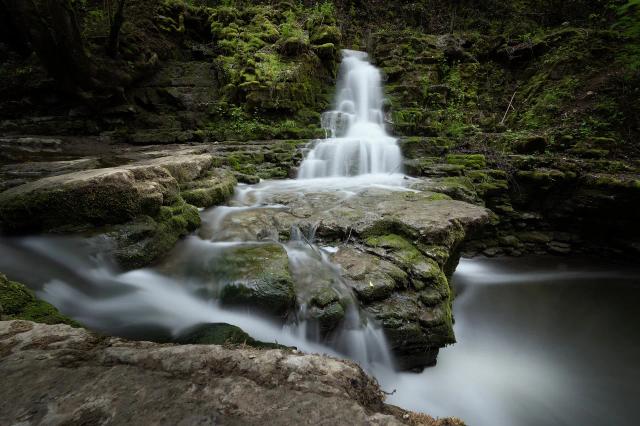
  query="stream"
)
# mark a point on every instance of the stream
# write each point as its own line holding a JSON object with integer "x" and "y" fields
{"x": 541, "y": 341}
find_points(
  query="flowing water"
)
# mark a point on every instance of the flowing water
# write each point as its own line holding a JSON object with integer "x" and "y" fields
{"x": 182, "y": 290}
{"x": 541, "y": 341}
{"x": 358, "y": 143}
{"x": 534, "y": 348}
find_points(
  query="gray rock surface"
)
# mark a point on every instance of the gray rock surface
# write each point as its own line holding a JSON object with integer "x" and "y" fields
{"x": 57, "y": 375}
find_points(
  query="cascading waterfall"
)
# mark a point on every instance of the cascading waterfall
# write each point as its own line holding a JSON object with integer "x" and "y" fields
{"x": 357, "y": 142}
{"x": 181, "y": 291}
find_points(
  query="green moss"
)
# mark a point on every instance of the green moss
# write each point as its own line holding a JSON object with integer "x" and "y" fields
{"x": 145, "y": 239}
{"x": 270, "y": 72}
{"x": 424, "y": 272}
{"x": 214, "y": 189}
{"x": 17, "y": 302}
{"x": 472, "y": 161}
{"x": 257, "y": 277}
{"x": 222, "y": 334}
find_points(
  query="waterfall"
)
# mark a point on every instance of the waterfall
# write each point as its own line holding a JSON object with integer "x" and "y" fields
{"x": 357, "y": 142}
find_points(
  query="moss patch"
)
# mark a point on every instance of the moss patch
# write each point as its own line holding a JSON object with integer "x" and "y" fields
{"x": 18, "y": 302}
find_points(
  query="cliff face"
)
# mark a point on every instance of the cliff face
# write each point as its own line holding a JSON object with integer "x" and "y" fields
{"x": 206, "y": 71}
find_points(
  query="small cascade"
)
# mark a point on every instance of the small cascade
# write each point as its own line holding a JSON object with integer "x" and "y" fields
{"x": 357, "y": 142}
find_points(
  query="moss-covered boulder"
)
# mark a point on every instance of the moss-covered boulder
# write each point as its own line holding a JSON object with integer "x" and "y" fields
{"x": 407, "y": 292}
{"x": 326, "y": 308}
{"x": 18, "y": 302}
{"x": 215, "y": 188}
{"x": 147, "y": 238}
{"x": 415, "y": 331}
{"x": 100, "y": 196}
{"x": 257, "y": 277}
{"x": 371, "y": 277}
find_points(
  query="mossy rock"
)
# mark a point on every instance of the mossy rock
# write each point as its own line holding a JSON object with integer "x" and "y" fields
{"x": 544, "y": 178}
{"x": 214, "y": 189}
{"x": 326, "y": 34}
{"x": 221, "y": 334}
{"x": 257, "y": 277}
{"x": 17, "y": 302}
{"x": 145, "y": 239}
{"x": 531, "y": 145}
{"x": 471, "y": 161}
{"x": 423, "y": 271}
{"x": 294, "y": 46}
{"x": 414, "y": 330}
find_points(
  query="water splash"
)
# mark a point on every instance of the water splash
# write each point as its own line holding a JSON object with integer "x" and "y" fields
{"x": 357, "y": 142}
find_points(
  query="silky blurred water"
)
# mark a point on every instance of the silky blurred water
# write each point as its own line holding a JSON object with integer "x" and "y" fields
{"x": 541, "y": 341}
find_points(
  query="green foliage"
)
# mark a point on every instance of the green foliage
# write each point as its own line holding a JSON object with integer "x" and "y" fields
{"x": 268, "y": 70}
{"x": 291, "y": 27}
{"x": 629, "y": 24}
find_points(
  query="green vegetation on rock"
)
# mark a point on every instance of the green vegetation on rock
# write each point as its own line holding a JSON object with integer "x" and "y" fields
{"x": 18, "y": 302}
{"x": 222, "y": 334}
{"x": 257, "y": 277}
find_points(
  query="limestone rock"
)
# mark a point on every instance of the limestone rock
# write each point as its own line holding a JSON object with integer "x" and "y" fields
{"x": 257, "y": 277}
{"x": 99, "y": 196}
{"x": 82, "y": 378}
{"x": 215, "y": 188}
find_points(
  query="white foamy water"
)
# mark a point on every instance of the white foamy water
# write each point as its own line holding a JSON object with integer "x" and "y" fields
{"x": 357, "y": 142}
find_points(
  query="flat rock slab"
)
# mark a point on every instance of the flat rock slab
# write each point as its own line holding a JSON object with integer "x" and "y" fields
{"x": 100, "y": 196}
{"x": 55, "y": 374}
{"x": 425, "y": 216}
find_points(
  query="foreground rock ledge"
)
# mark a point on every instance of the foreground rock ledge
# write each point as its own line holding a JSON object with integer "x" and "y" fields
{"x": 56, "y": 374}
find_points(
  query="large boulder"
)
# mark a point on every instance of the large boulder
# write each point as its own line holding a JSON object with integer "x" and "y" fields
{"x": 407, "y": 292}
{"x": 82, "y": 378}
{"x": 101, "y": 196}
{"x": 428, "y": 217}
{"x": 415, "y": 332}
{"x": 139, "y": 206}
{"x": 257, "y": 277}
{"x": 422, "y": 216}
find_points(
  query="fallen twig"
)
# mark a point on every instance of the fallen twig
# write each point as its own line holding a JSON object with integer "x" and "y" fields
{"x": 509, "y": 107}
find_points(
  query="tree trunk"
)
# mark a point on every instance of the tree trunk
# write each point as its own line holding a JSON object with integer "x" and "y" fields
{"x": 113, "y": 44}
